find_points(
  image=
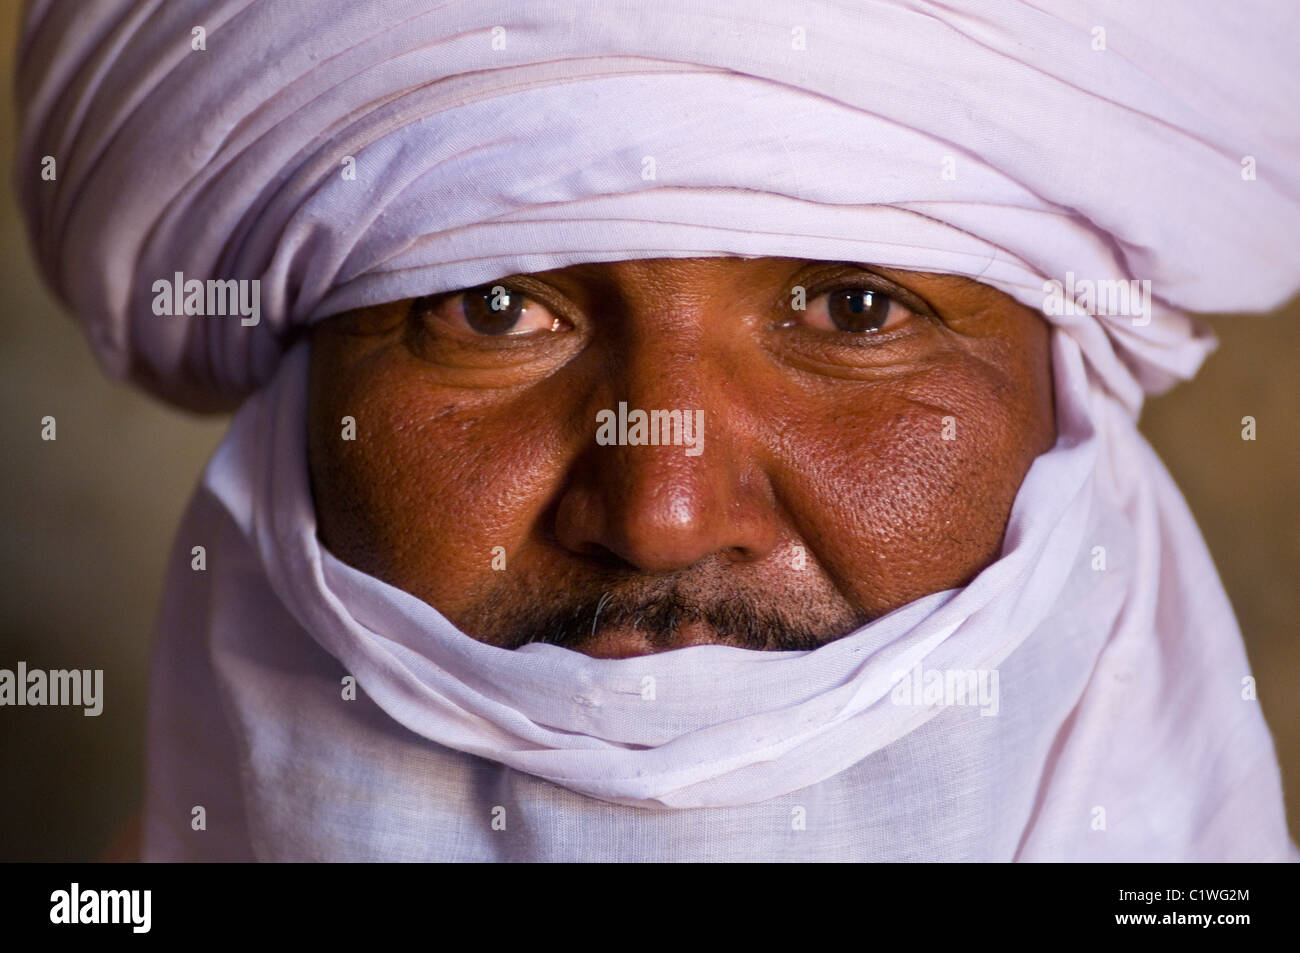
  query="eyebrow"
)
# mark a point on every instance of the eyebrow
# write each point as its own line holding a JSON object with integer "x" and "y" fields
{"x": 961, "y": 281}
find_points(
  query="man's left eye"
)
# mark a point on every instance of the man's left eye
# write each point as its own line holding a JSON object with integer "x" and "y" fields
{"x": 497, "y": 310}
{"x": 855, "y": 311}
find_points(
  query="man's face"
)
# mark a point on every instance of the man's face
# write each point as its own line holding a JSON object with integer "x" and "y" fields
{"x": 856, "y": 453}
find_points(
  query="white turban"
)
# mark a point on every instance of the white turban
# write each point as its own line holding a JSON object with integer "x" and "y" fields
{"x": 346, "y": 155}
{"x": 493, "y": 138}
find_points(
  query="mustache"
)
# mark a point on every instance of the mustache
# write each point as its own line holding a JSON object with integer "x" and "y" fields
{"x": 735, "y": 619}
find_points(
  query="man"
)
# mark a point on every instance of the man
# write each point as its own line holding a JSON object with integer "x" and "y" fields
{"x": 699, "y": 433}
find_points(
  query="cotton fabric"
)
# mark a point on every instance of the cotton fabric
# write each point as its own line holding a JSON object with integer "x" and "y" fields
{"x": 1121, "y": 688}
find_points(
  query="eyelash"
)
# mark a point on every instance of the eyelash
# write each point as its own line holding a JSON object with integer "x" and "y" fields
{"x": 422, "y": 308}
{"x": 862, "y": 281}
{"x": 866, "y": 281}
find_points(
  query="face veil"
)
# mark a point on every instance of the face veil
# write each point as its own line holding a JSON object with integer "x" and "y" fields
{"x": 390, "y": 150}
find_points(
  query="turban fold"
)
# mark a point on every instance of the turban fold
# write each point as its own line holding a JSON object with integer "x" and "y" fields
{"x": 347, "y": 155}
{"x": 344, "y": 155}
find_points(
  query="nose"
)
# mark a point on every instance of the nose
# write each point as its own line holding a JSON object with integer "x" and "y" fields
{"x": 663, "y": 508}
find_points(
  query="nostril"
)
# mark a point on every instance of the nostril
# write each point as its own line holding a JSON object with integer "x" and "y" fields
{"x": 602, "y": 557}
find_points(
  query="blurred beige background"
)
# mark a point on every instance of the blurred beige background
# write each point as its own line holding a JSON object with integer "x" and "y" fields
{"x": 89, "y": 518}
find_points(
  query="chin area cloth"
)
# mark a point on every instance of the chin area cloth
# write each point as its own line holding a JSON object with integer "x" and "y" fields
{"x": 1114, "y": 165}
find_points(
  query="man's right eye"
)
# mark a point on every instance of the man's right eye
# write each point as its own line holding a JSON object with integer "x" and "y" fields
{"x": 491, "y": 310}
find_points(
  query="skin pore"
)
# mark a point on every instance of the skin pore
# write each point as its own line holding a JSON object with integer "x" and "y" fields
{"x": 857, "y": 454}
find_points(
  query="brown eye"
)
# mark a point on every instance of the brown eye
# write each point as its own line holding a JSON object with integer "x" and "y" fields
{"x": 493, "y": 310}
{"x": 856, "y": 310}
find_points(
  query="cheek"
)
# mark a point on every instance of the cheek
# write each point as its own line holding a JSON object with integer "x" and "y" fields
{"x": 434, "y": 480}
{"x": 907, "y": 490}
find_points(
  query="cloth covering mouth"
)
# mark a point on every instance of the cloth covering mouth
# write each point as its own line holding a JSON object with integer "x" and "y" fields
{"x": 727, "y": 725}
